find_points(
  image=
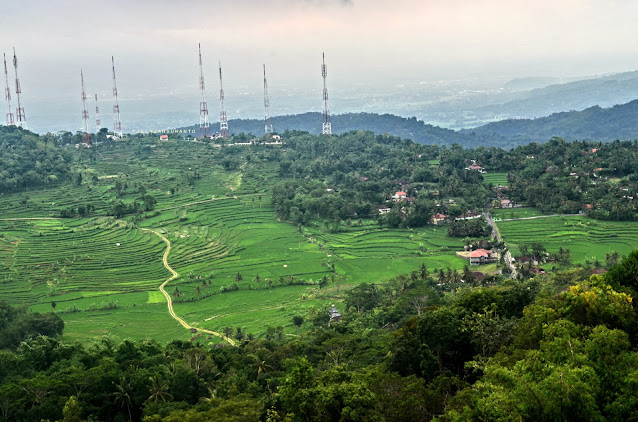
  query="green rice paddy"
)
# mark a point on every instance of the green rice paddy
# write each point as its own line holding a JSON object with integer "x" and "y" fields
{"x": 587, "y": 239}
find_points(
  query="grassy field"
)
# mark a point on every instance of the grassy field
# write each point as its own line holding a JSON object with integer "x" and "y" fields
{"x": 495, "y": 179}
{"x": 239, "y": 266}
{"x": 507, "y": 213}
{"x": 587, "y": 239}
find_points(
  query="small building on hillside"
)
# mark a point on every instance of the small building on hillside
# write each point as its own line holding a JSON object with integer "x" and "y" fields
{"x": 470, "y": 215}
{"x": 476, "y": 167}
{"x": 384, "y": 210}
{"x": 439, "y": 218}
{"x": 163, "y": 137}
{"x": 506, "y": 203}
{"x": 482, "y": 256}
{"x": 399, "y": 196}
{"x": 335, "y": 316}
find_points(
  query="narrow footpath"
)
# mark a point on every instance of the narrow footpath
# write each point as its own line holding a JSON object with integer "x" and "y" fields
{"x": 169, "y": 300}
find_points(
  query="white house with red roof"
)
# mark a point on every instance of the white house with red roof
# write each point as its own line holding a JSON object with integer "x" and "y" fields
{"x": 482, "y": 256}
{"x": 399, "y": 196}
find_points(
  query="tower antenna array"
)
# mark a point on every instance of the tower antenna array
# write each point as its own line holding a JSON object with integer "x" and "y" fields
{"x": 203, "y": 105}
{"x": 117, "y": 123}
{"x": 7, "y": 94}
{"x": 98, "y": 123}
{"x": 326, "y": 128}
{"x": 267, "y": 124}
{"x": 223, "y": 122}
{"x": 85, "y": 113}
{"x": 21, "y": 117}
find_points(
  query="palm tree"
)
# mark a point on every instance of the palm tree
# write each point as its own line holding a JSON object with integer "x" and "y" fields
{"x": 228, "y": 331}
{"x": 158, "y": 389}
{"x": 212, "y": 395}
{"x": 423, "y": 271}
{"x": 122, "y": 396}
{"x": 260, "y": 359}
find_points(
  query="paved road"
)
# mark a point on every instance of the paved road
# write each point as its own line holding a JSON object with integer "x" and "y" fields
{"x": 497, "y": 235}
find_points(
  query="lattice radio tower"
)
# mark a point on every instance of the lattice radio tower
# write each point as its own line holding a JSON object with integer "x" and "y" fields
{"x": 327, "y": 126}
{"x": 203, "y": 105}
{"x": 117, "y": 123}
{"x": 85, "y": 113}
{"x": 267, "y": 124}
{"x": 21, "y": 117}
{"x": 7, "y": 94}
{"x": 98, "y": 123}
{"x": 223, "y": 122}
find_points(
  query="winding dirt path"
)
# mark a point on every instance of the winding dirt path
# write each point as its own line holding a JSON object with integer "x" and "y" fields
{"x": 169, "y": 300}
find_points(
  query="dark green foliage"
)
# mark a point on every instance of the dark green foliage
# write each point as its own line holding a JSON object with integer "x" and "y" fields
{"x": 529, "y": 350}
{"x": 18, "y": 324}
{"x": 28, "y": 160}
{"x": 469, "y": 228}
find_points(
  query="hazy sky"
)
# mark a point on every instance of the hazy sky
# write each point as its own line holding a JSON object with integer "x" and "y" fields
{"x": 366, "y": 41}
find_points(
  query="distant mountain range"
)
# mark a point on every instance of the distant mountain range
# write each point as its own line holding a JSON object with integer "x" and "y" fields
{"x": 594, "y": 123}
{"x": 605, "y": 91}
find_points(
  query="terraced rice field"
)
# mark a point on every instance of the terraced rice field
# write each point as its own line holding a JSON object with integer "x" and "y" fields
{"x": 507, "y": 213}
{"x": 75, "y": 258}
{"x": 584, "y": 237}
{"x": 372, "y": 254}
{"x": 495, "y": 179}
{"x": 223, "y": 233}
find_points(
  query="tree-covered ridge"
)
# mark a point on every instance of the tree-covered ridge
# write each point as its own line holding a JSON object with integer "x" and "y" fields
{"x": 28, "y": 160}
{"x": 347, "y": 177}
{"x": 569, "y": 177}
{"x": 593, "y": 123}
{"x": 557, "y": 347}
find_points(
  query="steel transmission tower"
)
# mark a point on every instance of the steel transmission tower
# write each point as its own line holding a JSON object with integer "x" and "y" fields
{"x": 21, "y": 117}
{"x": 203, "y": 105}
{"x": 223, "y": 122}
{"x": 85, "y": 113}
{"x": 98, "y": 123}
{"x": 7, "y": 94}
{"x": 326, "y": 128}
{"x": 117, "y": 123}
{"x": 267, "y": 124}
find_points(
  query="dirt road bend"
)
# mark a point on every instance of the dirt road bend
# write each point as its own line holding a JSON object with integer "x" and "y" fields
{"x": 169, "y": 300}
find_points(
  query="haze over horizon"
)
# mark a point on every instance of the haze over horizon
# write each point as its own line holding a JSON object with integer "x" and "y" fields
{"x": 373, "y": 46}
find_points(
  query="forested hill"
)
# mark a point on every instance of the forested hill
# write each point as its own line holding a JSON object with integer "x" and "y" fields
{"x": 29, "y": 160}
{"x": 594, "y": 123}
{"x": 407, "y": 128}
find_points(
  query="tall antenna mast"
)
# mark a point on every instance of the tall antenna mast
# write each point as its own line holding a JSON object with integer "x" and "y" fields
{"x": 223, "y": 122}
{"x": 117, "y": 123}
{"x": 85, "y": 114}
{"x": 7, "y": 93}
{"x": 326, "y": 128}
{"x": 21, "y": 117}
{"x": 203, "y": 105}
{"x": 98, "y": 123}
{"x": 267, "y": 124}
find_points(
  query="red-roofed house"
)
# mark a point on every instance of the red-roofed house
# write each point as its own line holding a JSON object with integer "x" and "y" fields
{"x": 163, "y": 137}
{"x": 482, "y": 256}
{"x": 399, "y": 196}
{"x": 475, "y": 167}
{"x": 439, "y": 218}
